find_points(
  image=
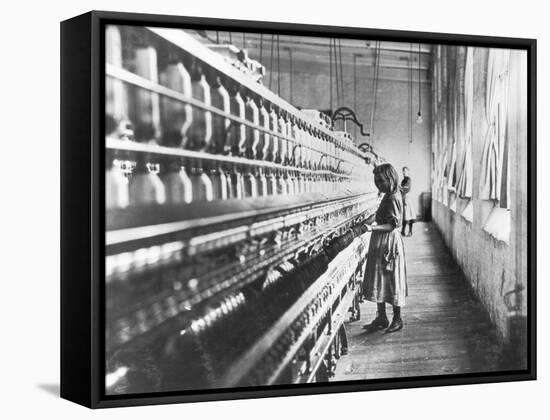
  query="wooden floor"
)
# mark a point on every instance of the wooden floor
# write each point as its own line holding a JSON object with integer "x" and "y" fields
{"x": 445, "y": 329}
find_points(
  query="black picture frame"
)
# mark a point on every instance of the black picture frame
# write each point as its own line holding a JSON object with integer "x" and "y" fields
{"x": 83, "y": 209}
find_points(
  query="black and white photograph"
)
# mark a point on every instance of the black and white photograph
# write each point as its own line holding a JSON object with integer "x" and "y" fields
{"x": 288, "y": 209}
{"x": 275, "y": 210}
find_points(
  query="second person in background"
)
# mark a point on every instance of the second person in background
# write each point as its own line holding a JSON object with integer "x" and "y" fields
{"x": 409, "y": 211}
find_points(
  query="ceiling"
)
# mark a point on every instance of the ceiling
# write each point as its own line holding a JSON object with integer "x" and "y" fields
{"x": 395, "y": 56}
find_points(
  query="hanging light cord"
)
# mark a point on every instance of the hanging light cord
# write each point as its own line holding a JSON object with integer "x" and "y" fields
{"x": 376, "y": 71}
{"x": 290, "y": 75}
{"x": 336, "y": 72}
{"x": 355, "y": 82}
{"x": 278, "y": 67}
{"x": 355, "y": 90}
{"x": 419, "y": 91}
{"x": 410, "y": 118}
{"x": 261, "y": 47}
{"x": 271, "y": 62}
{"x": 341, "y": 72}
{"x": 330, "y": 71}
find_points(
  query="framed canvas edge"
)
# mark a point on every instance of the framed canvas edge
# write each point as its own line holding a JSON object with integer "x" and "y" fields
{"x": 95, "y": 387}
{"x": 75, "y": 205}
{"x": 532, "y": 205}
{"x": 314, "y": 389}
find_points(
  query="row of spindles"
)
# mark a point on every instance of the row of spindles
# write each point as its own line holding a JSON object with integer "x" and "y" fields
{"x": 192, "y": 180}
{"x": 311, "y": 161}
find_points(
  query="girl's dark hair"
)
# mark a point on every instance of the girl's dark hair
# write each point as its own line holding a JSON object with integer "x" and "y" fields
{"x": 388, "y": 172}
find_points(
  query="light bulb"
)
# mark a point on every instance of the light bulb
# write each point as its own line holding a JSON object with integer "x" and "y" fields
{"x": 419, "y": 119}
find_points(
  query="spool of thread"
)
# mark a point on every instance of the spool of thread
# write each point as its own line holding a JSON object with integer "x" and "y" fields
{"x": 177, "y": 117}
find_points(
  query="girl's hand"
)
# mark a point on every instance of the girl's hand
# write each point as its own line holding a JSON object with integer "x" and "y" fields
{"x": 369, "y": 228}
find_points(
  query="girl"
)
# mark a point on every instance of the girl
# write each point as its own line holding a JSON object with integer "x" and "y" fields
{"x": 385, "y": 274}
{"x": 409, "y": 212}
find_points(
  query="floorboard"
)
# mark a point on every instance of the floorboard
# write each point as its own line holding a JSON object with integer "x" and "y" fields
{"x": 445, "y": 329}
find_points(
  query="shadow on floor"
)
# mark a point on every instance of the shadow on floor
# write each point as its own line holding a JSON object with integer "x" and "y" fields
{"x": 52, "y": 389}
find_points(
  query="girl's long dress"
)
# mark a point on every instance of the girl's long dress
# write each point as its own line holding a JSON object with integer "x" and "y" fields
{"x": 385, "y": 273}
{"x": 409, "y": 211}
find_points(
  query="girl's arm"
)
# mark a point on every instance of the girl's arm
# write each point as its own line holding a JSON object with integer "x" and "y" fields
{"x": 386, "y": 227}
{"x": 370, "y": 219}
{"x": 365, "y": 226}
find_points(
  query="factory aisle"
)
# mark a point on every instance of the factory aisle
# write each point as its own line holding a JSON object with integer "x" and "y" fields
{"x": 446, "y": 330}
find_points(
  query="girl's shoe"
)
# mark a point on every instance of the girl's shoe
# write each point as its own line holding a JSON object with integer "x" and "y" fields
{"x": 395, "y": 326}
{"x": 379, "y": 322}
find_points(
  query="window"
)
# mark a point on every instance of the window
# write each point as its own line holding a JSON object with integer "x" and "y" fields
{"x": 508, "y": 114}
{"x": 496, "y": 108}
{"x": 464, "y": 187}
{"x": 465, "y": 184}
